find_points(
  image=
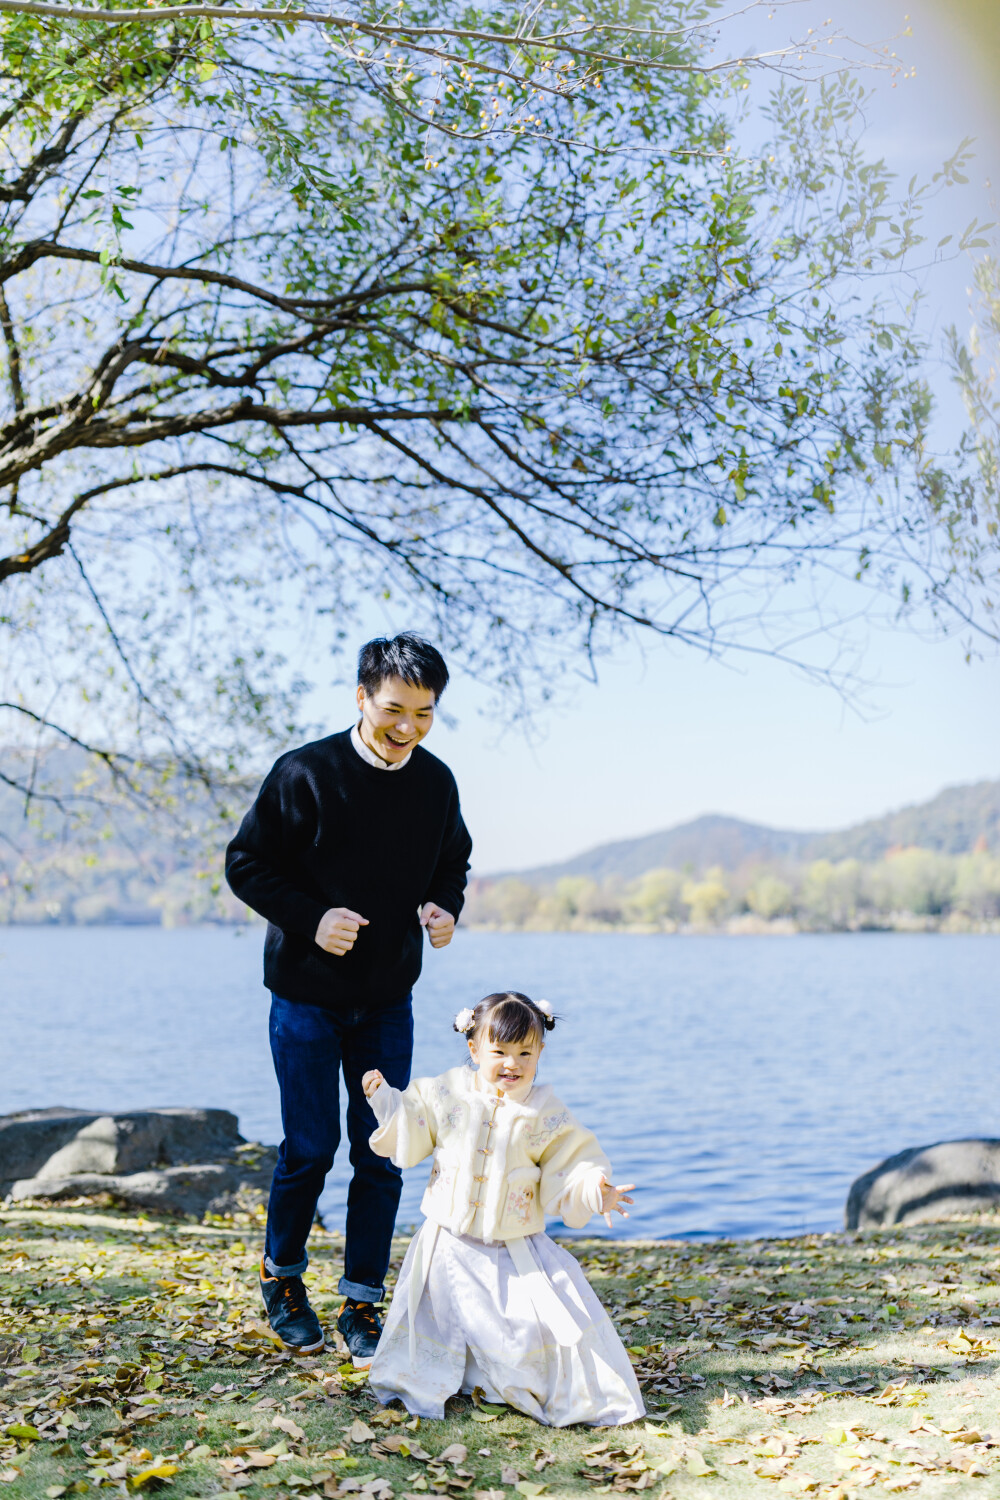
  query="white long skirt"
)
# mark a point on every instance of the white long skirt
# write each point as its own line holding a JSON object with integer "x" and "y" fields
{"x": 480, "y": 1321}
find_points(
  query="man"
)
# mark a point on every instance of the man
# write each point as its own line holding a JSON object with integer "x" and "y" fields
{"x": 354, "y": 844}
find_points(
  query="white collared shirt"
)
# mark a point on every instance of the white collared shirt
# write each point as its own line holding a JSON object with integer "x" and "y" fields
{"x": 372, "y": 758}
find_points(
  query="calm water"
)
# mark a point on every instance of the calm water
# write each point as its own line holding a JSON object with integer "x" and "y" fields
{"x": 741, "y": 1082}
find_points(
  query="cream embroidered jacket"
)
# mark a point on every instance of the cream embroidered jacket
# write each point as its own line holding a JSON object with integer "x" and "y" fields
{"x": 500, "y": 1165}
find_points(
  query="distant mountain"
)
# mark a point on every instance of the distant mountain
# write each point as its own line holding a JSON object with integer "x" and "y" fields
{"x": 952, "y": 822}
{"x": 709, "y": 840}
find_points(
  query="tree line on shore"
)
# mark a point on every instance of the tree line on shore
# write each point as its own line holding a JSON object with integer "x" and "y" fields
{"x": 911, "y": 889}
{"x": 908, "y": 889}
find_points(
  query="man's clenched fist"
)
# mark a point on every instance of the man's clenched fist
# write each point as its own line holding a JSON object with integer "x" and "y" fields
{"x": 440, "y": 924}
{"x": 338, "y": 929}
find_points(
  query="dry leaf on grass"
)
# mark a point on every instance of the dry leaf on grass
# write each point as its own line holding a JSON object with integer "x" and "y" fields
{"x": 455, "y": 1453}
{"x": 286, "y": 1424}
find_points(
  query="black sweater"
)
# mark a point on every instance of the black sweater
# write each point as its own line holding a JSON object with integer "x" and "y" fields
{"x": 327, "y": 829}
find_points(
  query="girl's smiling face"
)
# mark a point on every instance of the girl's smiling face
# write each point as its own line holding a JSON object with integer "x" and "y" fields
{"x": 506, "y": 1065}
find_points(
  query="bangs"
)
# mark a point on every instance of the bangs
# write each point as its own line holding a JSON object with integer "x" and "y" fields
{"x": 514, "y": 1021}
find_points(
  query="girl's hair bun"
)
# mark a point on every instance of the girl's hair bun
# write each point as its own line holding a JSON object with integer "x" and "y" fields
{"x": 509, "y": 1016}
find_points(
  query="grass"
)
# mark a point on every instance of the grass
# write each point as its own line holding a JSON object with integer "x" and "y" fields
{"x": 133, "y": 1359}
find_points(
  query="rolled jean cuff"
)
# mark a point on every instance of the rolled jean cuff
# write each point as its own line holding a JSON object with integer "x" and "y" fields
{"x": 296, "y": 1270}
{"x": 358, "y": 1292}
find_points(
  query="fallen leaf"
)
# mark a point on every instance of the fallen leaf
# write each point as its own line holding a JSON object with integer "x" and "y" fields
{"x": 285, "y": 1424}
{"x": 359, "y": 1432}
{"x": 456, "y": 1453}
{"x": 481, "y": 1404}
{"x": 157, "y": 1471}
{"x": 697, "y": 1466}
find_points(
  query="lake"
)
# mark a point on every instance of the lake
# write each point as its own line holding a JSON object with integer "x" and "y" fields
{"x": 741, "y": 1082}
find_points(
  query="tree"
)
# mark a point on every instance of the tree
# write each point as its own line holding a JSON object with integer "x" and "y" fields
{"x": 832, "y": 893}
{"x": 289, "y": 327}
{"x": 654, "y": 899}
{"x": 769, "y": 897}
{"x": 969, "y": 505}
{"x": 706, "y": 898}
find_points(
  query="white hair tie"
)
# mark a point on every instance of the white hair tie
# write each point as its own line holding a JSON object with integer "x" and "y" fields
{"x": 545, "y": 1008}
{"x": 465, "y": 1020}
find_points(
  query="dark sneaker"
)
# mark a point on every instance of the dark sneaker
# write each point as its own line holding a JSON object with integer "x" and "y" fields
{"x": 359, "y": 1323}
{"x": 289, "y": 1313}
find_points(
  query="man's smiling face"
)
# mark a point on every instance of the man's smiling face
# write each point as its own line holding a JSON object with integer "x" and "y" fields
{"x": 396, "y": 717}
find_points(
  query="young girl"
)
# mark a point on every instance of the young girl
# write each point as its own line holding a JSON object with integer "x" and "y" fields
{"x": 485, "y": 1299}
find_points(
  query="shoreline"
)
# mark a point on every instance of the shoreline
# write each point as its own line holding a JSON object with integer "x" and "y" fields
{"x": 744, "y": 925}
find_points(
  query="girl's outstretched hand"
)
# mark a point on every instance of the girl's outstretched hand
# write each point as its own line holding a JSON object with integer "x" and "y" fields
{"x": 371, "y": 1081}
{"x": 613, "y": 1198}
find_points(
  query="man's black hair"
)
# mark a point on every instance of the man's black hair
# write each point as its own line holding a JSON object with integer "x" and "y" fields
{"x": 407, "y": 656}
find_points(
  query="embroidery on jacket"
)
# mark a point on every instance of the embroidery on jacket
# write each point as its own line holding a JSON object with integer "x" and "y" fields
{"x": 547, "y": 1127}
{"x": 521, "y": 1203}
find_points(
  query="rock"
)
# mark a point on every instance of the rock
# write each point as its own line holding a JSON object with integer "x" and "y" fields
{"x": 177, "y": 1160}
{"x": 926, "y": 1183}
{"x": 56, "y": 1142}
{"x": 207, "y": 1187}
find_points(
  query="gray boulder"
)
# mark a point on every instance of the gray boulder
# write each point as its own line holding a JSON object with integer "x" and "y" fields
{"x": 177, "y": 1160}
{"x": 926, "y": 1183}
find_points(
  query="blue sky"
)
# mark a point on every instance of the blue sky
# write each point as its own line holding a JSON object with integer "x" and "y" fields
{"x": 665, "y": 734}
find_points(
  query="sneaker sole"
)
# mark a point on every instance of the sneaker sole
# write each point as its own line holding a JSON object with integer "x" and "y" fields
{"x": 303, "y": 1348}
{"x": 362, "y": 1364}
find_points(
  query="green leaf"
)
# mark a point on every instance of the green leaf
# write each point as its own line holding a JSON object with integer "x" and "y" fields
{"x": 23, "y": 1430}
{"x": 697, "y": 1465}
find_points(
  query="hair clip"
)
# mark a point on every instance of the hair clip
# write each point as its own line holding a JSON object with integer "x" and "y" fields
{"x": 545, "y": 1008}
{"x": 465, "y": 1020}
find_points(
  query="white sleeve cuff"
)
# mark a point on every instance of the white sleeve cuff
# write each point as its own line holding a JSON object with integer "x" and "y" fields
{"x": 592, "y": 1190}
{"x": 384, "y": 1102}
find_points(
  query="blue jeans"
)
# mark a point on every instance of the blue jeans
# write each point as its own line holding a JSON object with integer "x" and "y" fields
{"x": 309, "y": 1046}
